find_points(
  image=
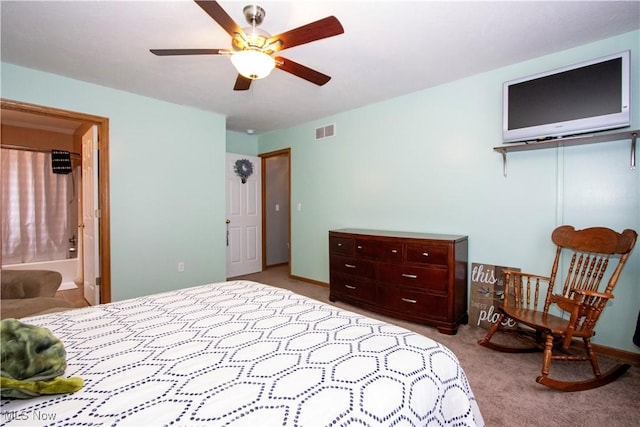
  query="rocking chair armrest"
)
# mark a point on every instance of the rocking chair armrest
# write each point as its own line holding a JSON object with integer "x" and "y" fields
{"x": 542, "y": 280}
{"x": 572, "y": 304}
{"x": 587, "y": 293}
{"x": 520, "y": 288}
{"x": 529, "y": 275}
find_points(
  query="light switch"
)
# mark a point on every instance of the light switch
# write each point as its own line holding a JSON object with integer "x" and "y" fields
{"x": 299, "y": 206}
{"x": 277, "y": 207}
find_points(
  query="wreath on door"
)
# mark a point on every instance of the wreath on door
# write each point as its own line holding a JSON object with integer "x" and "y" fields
{"x": 244, "y": 169}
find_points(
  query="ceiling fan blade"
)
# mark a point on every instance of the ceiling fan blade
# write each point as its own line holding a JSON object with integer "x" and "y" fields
{"x": 169, "y": 52}
{"x": 301, "y": 71}
{"x": 242, "y": 83}
{"x": 217, "y": 13}
{"x": 321, "y": 29}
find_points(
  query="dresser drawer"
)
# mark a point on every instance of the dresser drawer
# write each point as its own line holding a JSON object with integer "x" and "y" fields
{"x": 389, "y": 251}
{"x": 352, "y": 287}
{"x": 351, "y": 266}
{"x": 412, "y": 302}
{"x": 379, "y": 250}
{"x": 341, "y": 245}
{"x": 433, "y": 279}
{"x": 365, "y": 248}
{"x": 428, "y": 254}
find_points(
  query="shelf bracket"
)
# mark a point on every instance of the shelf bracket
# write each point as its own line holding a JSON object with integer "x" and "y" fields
{"x": 504, "y": 162}
{"x": 634, "y": 137}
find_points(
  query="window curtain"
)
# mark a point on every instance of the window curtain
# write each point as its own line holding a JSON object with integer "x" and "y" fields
{"x": 35, "y": 208}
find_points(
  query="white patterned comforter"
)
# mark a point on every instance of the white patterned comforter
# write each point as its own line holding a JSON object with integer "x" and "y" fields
{"x": 241, "y": 353}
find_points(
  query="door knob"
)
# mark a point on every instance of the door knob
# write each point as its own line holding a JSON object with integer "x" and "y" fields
{"x": 228, "y": 221}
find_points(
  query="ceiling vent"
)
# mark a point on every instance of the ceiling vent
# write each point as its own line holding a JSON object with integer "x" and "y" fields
{"x": 325, "y": 131}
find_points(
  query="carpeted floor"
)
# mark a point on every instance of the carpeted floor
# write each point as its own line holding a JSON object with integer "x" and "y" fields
{"x": 504, "y": 384}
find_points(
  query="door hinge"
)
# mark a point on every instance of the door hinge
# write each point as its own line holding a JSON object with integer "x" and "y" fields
{"x": 96, "y": 144}
{"x": 97, "y": 213}
{"x": 98, "y": 282}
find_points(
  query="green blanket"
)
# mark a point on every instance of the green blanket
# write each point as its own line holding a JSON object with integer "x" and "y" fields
{"x": 32, "y": 360}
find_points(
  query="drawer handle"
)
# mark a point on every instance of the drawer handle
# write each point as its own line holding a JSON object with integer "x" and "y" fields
{"x": 359, "y": 246}
{"x": 412, "y": 301}
{"x": 409, "y": 276}
{"x": 349, "y": 286}
{"x": 425, "y": 253}
{"x": 350, "y": 266}
{"x": 339, "y": 244}
{"x": 395, "y": 251}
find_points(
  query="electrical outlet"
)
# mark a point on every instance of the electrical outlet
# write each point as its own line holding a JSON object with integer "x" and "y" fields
{"x": 180, "y": 267}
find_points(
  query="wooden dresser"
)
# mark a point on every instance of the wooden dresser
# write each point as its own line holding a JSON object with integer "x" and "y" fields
{"x": 418, "y": 277}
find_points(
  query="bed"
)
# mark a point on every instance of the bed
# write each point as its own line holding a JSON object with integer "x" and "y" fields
{"x": 242, "y": 353}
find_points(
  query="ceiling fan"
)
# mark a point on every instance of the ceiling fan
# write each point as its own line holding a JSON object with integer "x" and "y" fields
{"x": 253, "y": 49}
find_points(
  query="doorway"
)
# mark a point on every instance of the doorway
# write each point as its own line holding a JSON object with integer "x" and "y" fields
{"x": 84, "y": 121}
{"x": 276, "y": 208}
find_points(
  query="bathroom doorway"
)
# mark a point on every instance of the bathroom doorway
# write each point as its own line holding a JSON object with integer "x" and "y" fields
{"x": 23, "y": 114}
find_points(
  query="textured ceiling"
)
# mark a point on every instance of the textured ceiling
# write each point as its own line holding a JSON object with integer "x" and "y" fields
{"x": 389, "y": 48}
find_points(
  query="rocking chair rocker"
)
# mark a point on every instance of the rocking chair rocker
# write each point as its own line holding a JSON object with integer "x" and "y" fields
{"x": 581, "y": 299}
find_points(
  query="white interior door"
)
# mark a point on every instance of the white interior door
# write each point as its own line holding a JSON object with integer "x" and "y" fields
{"x": 90, "y": 217}
{"x": 244, "y": 217}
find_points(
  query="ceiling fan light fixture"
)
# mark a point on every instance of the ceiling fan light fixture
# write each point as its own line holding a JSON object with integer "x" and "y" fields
{"x": 253, "y": 64}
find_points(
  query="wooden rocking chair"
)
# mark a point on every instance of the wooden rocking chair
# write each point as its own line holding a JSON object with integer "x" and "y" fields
{"x": 581, "y": 301}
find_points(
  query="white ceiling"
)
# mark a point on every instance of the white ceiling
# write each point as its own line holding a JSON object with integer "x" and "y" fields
{"x": 389, "y": 48}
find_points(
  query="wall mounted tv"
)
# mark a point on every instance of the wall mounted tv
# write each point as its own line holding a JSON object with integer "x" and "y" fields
{"x": 580, "y": 98}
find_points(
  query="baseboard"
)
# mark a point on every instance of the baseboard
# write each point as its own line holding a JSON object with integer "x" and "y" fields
{"x": 627, "y": 356}
{"x": 313, "y": 282}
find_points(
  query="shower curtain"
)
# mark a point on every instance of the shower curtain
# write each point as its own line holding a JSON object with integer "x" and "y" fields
{"x": 35, "y": 208}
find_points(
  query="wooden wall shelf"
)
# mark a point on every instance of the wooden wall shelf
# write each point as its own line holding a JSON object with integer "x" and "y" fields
{"x": 568, "y": 142}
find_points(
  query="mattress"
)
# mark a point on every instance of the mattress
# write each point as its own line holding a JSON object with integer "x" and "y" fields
{"x": 242, "y": 353}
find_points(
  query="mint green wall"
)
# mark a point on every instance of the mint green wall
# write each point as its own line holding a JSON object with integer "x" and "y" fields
{"x": 421, "y": 162}
{"x": 424, "y": 162}
{"x": 167, "y": 181}
{"x": 242, "y": 143}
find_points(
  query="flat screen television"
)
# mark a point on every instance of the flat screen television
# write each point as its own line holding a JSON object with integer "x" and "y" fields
{"x": 580, "y": 98}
